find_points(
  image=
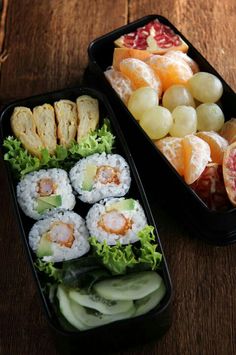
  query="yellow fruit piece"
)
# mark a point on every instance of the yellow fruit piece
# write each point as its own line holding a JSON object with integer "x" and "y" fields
{"x": 172, "y": 149}
{"x": 123, "y": 53}
{"x": 140, "y": 74}
{"x": 170, "y": 70}
{"x": 120, "y": 83}
{"x": 217, "y": 145}
{"x": 196, "y": 156}
{"x": 228, "y": 131}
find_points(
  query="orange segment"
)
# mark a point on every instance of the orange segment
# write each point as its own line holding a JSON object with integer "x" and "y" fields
{"x": 183, "y": 56}
{"x": 229, "y": 172}
{"x": 196, "y": 156}
{"x": 120, "y": 83}
{"x": 217, "y": 145}
{"x": 123, "y": 53}
{"x": 228, "y": 131}
{"x": 170, "y": 70}
{"x": 140, "y": 74}
{"x": 172, "y": 149}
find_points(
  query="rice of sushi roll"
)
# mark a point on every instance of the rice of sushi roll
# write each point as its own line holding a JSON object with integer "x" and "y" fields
{"x": 61, "y": 236}
{"x": 116, "y": 219}
{"x": 45, "y": 190}
{"x": 100, "y": 176}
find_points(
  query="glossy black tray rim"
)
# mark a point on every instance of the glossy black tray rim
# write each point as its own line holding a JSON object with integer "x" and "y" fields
{"x": 67, "y": 93}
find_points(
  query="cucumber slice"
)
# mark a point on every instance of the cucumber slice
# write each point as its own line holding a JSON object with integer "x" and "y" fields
{"x": 65, "y": 308}
{"x": 93, "y": 318}
{"x": 94, "y": 301}
{"x": 129, "y": 287}
{"x": 147, "y": 303}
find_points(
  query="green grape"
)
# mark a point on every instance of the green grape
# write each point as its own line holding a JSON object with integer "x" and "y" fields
{"x": 141, "y": 100}
{"x": 185, "y": 121}
{"x": 177, "y": 95}
{"x": 205, "y": 87}
{"x": 209, "y": 117}
{"x": 156, "y": 122}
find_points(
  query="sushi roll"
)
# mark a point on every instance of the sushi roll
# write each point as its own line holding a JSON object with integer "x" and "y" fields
{"x": 61, "y": 236}
{"x": 116, "y": 219}
{"x": 100, "y": 176}
{"x": 45, "y": 190}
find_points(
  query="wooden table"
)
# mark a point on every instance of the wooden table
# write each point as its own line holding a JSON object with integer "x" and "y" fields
{"x": 43, "y": 45}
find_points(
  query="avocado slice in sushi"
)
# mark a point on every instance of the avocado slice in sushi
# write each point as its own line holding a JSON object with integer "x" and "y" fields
{"x": 48, "y": 202}
{"x": 123, "y": 205}
{"x": 44, "y": 247}
{"x": 89, "y": 176}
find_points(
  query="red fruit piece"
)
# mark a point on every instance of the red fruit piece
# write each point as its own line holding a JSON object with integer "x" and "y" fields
{"x": 154, "y": 37}
{"x": 211, "y": 189}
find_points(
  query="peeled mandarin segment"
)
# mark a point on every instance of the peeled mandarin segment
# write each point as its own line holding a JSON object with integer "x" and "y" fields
{"x": 196, "y": 156}
{"x": 140, "y": 74}
{"x": 217, "y": 145}
{"x": 120, "y": 83}
{"x": 228, "y": 131}
{"x": 170, "y": 71}
{"x": 183, "y": 56}
{"x": 172, "y": 149}
{"x": 211, "y": 189}
{"x": 229, "y": 172}
{"x": 123, "y": 53}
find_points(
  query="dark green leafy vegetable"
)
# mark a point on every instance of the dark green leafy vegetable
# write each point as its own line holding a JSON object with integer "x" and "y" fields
{"x": 50, "y": 270}
{"x": 79, "y": 273}
{"x": 120, "y": 259}
{"x": 99, "y": 141}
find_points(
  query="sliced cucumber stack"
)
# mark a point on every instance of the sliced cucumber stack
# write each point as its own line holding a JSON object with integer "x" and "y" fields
{"x": 111, "y": 300}
{"x": 129, "y": 287}
{"x": 100, "y": 304}
{"x": 65, "y": 308}
{"x": 145, "y": 304}
{"x": 92, "y": 318}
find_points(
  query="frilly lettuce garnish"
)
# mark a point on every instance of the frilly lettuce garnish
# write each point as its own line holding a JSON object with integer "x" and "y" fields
{"x": 120, "y": 259}
{"x": 22, "y": 162}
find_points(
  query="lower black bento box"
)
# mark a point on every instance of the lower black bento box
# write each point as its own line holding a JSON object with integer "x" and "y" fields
{"x": 121, "y": 333}
{"x": 163, "y": 181}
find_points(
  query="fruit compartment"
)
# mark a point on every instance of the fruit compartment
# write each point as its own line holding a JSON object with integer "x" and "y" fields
{"x": 147, "y": 327}
{"x": 213, "y": 226}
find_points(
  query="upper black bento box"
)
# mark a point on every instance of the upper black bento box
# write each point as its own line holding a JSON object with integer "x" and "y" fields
{"x": 160, "y": 178}
{"x": 121, "y": 333}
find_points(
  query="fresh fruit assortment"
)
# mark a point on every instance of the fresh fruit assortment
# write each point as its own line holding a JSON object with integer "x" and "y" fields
{"x": 176, "y": 104}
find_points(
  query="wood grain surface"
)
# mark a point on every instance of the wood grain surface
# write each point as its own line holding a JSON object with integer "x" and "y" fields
{"x": 46, "y": 42}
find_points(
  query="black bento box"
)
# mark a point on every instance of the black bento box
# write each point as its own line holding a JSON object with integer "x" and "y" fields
{"x": 122, "y": 333}
{"x": 159, "y": 177}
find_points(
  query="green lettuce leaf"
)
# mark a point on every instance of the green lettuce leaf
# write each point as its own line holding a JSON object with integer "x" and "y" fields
{"x": 49, "y": 269}
{"x": 22, "y": 162}
{"x": 99, "y": 141}
{"x": 115, "y": 258}
{"x": 120, "y": 259}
